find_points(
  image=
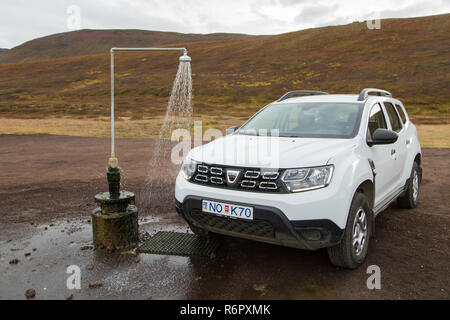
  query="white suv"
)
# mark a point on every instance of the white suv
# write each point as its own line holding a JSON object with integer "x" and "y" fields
{"x": 339, "y": 161}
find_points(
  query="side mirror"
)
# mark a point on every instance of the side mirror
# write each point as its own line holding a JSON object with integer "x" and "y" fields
{"x": 383, "y": 136}
{"x": 232, "y": 130}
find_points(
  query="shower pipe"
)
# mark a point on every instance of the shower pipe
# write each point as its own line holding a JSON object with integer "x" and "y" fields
{"x": 113, "y": 162}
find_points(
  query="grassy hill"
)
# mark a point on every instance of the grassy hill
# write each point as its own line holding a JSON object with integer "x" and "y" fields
{"x": 87, "y": 42}
{"x": 234, "y": 77}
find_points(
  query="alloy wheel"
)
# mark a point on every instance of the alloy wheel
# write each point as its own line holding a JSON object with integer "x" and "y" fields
{"x": 359, "y": 237}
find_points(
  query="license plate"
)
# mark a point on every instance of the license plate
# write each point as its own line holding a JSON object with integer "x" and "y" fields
{"x": 227, "y": 210}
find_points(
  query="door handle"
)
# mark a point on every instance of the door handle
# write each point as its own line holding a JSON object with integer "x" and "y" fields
{"x": 393, "y": 152}
{"x": 408, "y": 141}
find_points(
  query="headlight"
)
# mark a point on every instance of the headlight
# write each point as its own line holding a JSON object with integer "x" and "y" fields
{"x": 304, "y": 179}
{"x": 188, "y": 168}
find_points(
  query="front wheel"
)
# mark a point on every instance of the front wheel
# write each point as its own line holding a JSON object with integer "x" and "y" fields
{"x": 352, "y": 250}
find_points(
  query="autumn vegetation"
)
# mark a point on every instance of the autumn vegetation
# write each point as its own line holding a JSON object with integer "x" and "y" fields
{"x": 66, "y": 76}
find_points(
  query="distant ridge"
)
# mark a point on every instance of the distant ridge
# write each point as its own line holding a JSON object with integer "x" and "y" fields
{"x": 408, "y": 57}
{"x": 87, "y": 42}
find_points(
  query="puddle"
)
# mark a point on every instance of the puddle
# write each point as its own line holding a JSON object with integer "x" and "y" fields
{"x": 241, "y": 270}
{"x": 54, "y": 247}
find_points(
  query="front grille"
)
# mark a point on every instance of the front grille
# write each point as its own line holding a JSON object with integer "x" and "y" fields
{"x": 260, "y": 228}
{"x": 247, "y": 179}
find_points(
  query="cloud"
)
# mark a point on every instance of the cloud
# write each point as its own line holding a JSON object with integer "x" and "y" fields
{"x": 317, "y": 15}
{"x": 418, "y": 8}
{"x": 22, "y": 20}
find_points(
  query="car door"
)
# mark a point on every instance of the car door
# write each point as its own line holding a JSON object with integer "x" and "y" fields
{"x": 380, "y": 155}
{"x": 408, "y": 135}
{"x": 398, "y": 148}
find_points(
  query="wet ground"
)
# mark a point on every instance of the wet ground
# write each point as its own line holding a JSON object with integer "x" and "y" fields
{"x": 47, "y": 184}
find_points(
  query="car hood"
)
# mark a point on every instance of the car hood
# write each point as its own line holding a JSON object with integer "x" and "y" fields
{"x": 270, "y": 152}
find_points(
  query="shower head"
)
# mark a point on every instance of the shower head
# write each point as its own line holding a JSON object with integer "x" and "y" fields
{"x": 185, "y": 58}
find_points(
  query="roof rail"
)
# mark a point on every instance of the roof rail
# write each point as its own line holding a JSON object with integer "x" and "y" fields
{"x": 367, "y": 91}
{"x": 304, "y": 92}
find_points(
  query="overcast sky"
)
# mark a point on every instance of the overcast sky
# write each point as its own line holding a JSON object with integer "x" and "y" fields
{"x": 24, "y": 20}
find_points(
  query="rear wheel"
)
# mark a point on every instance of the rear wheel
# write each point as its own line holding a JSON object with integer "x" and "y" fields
{"x": 352, "y": 250}
{"x": 411, "y": 197}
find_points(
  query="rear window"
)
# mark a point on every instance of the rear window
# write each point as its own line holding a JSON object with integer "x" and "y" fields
{"x": 393, "y": 117}
{"x": 401, "y": 113}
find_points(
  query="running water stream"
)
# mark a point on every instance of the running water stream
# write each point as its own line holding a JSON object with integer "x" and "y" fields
{"x": 158, "y": 190}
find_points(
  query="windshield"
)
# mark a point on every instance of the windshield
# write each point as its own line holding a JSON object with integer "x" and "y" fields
{"x": 308, "y": 120}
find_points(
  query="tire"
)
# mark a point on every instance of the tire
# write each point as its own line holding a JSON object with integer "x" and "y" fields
{"x": 411, "y": 197}
{"x": 345, "y": 254}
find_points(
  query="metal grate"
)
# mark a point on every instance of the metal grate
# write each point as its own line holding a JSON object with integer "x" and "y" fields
{"x": 247, "y": 179}
{"x": 179, "y": 244}
{"x": 261, "y": 228}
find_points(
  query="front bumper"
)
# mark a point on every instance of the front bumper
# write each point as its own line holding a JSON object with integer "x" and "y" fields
{"x": 330, "y": 203}
{"x": 269, "y": 225}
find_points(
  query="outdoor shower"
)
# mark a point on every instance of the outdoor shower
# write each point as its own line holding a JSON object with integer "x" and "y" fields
{"x": 115, "y": 222}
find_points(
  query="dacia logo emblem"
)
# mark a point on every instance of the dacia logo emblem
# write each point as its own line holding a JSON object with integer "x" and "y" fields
{"x": 232, "y": 176}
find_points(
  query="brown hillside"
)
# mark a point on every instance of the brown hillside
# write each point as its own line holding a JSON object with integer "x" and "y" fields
{"x": 86, "y": 42}
{"x": 409, "y": 57}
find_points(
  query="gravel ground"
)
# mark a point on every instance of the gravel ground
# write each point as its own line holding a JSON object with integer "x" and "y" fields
{"x": 47, "y": 184}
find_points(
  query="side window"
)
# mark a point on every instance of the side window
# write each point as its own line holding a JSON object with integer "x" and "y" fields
{"x": 393, "y": 117}
{"x": 376, "y": 121}
{"x": 401, "y": 113}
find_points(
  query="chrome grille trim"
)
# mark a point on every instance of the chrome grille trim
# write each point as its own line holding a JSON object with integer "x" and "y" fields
{"x": 252, "y": 179}
{"x": 252, "y": 174}
{"x": 216, "y": 180}
{"x": 216, "y": 171}
{"x": 201, "y": 178}
{"x": 270, "y": 175}
{"x": 202, "y": 169}
{"x": 268, "y": 185}
{"x": 248, "y": 184}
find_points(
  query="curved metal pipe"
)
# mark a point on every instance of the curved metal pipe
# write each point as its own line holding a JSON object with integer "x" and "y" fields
{"x": 150, "y": 49}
